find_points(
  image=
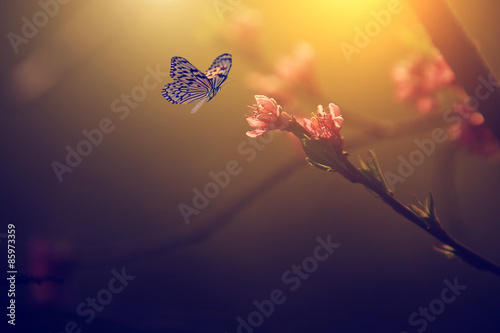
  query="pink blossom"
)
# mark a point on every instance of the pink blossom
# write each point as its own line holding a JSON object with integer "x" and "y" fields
{"x": 473, "y": 133}
{"x": 418, "y": 80}
{"x": 267, "y": 115}
{"x": 440, "y": 72}
{"x": 326, "y": 125}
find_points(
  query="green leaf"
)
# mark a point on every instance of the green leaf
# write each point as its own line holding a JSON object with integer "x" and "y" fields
{"x": 319, "y": 165}
{"x": 363, "y": 164}
{"x": 419, "y": 212}
{"x": 321, "y": 155}
{"x": 427, "y": 212}
{"x": 371, "y": 168}
{"x": 372, "y": 192}
{"x": 376, "y": 166}
{"x": 448, "y": 251}
{"x": 418, "y": 201}
{"x": 431, "y": 208}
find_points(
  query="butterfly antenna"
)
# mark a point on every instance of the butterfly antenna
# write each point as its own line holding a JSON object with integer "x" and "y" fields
{"x": 227, "y": 82}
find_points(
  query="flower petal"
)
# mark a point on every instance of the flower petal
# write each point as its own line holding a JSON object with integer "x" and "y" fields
{"x": 339, "y": 121}
{"x": 267, "y": 117}
{"x": 334, "y": 110}
{"x": 255, "y": 122}
{"x": 266, "y": 103}
{"x": 320, "y": 110}
{"x": 257, "y": 132}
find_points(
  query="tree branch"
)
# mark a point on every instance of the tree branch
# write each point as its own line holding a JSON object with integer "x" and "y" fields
{"x": 462, "y": 54}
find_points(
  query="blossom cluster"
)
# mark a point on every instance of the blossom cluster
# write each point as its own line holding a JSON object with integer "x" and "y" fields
{"x": 268, "y": 115}
{"x": 419, "y": 79}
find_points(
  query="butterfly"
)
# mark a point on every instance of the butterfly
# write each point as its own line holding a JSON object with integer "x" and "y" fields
{"x": 190, "y": 84}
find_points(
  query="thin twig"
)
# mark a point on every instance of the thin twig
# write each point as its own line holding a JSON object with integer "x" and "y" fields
{"x": 437, "y": 231}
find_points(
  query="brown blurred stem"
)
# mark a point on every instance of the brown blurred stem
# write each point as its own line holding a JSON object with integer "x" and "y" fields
{"x": 463, "y": 56}
{"x": 224, "y": 217}
{"x": 187, "y": 236}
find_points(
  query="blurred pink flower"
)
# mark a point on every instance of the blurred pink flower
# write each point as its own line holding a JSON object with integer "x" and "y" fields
{"x": 326, "y": 125}
{"x": 294, "y": 143}
{"x": 298, "y": 65}
{"x": 46, "y": 259}
{"x": 267, "y": 115}
{"x": 272, "y": 85}
{"x": 473, "y": 133}
{"x": 297, "y": 68}
{"x": 418, "y": 80}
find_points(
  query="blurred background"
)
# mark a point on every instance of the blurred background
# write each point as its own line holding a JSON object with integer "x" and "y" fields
{"x": 118, "y": 207}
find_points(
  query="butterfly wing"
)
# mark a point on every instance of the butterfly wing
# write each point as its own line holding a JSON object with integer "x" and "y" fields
{"x": 184, "y": 93}
{"x": 182, "y": 70}
{"x": 189, "y": 84}
{"x": 219, "y": 70}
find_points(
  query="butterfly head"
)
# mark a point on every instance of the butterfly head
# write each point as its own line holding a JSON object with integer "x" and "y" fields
{"x": 213, "y": 92}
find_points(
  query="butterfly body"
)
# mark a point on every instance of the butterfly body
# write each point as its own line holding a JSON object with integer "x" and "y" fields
{"x": 192, "y": 85}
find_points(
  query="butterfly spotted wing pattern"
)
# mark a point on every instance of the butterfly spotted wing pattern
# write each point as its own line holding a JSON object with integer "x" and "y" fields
{"x": 220, "y": 69}
{"x": 191, "y": 85}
